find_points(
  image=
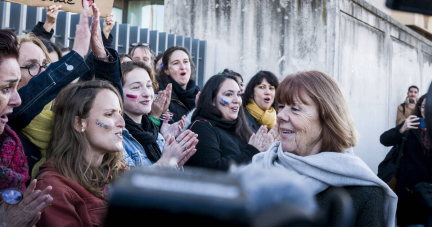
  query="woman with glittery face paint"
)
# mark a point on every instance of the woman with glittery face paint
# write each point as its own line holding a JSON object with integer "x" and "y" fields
{"x": 219, "y": 121}
{"x": 178, "y": 69}
{"x": 85, "y": 152}
{"x": 144, "y": 144}
{"x": 259, "y": 100}
{"x": 317, "y": 136}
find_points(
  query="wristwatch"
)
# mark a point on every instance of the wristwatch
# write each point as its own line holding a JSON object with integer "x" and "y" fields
{"x": 109, "y": 57}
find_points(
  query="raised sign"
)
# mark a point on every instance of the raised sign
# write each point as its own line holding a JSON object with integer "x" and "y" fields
{"x": 74, "y": 6}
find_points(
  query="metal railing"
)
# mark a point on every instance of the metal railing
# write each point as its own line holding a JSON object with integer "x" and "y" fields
{"x": 21, "y": 19}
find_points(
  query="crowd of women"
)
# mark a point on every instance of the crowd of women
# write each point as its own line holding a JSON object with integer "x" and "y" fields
{"x": 73, "y": 122}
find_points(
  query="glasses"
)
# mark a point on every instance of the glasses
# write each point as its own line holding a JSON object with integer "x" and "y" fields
{"x": 11, "y": 196}
{"x": 35, "y": 68}
{"x": 134, "y": 45}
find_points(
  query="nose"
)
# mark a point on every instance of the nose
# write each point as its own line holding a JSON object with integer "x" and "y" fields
{"x": 237, "y": 99}
{"x": 283, "y": 115}
{"x": 120, "y": 122}
{"x": 15, "y": 99}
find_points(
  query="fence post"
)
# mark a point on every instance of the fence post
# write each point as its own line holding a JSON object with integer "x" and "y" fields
{"x": 162, "y": 43}
{"x": 4, "y": 14}
{"x": 188, "y": 43}
{"x": 72, "y": 29}
{"x": 201, "y": 63}
{"x": 144, "y": 35}
{"x": 17, "y": 18}
{"x": 32, "y": 18}
{"x": 154, "y": 40}
{"x": 115, "y": 34}
{"x": 171, "y": 40}
{"x": 62, "y": 29}
{"x": 123, "y": 43}
{"x": 134, "y": 36}
{"x": 179, "y": 41}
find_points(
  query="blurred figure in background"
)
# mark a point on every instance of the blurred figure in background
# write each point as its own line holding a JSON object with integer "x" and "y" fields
{"x": 408, "y": 107}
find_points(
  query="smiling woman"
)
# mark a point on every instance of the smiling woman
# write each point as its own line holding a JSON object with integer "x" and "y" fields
{"x": 224, "y": 135}
{"x": 318, "y": 134}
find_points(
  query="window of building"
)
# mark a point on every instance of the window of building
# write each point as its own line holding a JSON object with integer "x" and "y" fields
{"x": 146, "y": 14}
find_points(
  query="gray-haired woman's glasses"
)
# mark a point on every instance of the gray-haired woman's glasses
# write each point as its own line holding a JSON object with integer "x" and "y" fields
{"x": 35, "y": 68}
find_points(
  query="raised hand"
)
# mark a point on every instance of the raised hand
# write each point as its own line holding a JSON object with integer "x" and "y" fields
{"x": 29, "y": 210}
{"x": 179, "y": 150}
{"x": 158, "y": 104}
{"x": 168, "y": 91}
{"x": 274, "y": 133}
{"x": 82, "y": 34}
{"x": 108, "y": 25}
{"x": 172, "y": 129}
{"x": 51, "y": 17}
{"x": 410, "y": 123}
{"x": 96, "y": 42}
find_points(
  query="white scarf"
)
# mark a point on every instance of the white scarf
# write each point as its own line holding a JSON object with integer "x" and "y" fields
{"x": 326, "y": 169}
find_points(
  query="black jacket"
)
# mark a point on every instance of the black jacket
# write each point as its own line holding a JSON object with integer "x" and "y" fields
{"x": 252, "y": 122}
{"x": 218, "y": 146}
{"x": 415, "y": 167}
{"x": 367, "y": 205}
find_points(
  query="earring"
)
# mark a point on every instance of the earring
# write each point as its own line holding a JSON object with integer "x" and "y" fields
{"x": 82, "y": 130}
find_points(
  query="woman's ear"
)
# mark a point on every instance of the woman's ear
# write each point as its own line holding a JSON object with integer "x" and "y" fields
{"x": 79, "y": 125}
{"x": 166, "y": 72}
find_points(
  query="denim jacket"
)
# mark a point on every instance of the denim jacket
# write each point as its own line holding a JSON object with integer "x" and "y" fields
{"x": 134, "y": 153}
{"x": 47, "y": 85}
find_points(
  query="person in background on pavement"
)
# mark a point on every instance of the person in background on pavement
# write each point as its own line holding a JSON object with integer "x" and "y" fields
{"x": 415, "y": 166}
{"x": 407, "y": 108}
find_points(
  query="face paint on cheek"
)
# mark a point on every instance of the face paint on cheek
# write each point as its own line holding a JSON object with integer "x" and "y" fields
{"x": 132, "y": 96}
{"x": 223, "y": 102}
{"x": 103, "y": 125}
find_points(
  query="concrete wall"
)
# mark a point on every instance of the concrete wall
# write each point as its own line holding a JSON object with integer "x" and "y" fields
{"x": 374, "y": 57}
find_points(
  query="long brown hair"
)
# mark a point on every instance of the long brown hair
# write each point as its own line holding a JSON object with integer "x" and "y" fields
{"x": 338, "y": 130}
{"x": 68, "y": 147}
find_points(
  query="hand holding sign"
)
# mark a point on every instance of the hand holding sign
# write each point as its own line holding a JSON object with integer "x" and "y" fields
{"x": 82, "y": 34}
{"x": 74, "y": 6}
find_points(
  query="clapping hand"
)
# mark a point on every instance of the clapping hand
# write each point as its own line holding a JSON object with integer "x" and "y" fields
{"x": 96, "y": 42}
{"x": 82, "y": 34}
{"x": 178, "y": 150}
{"x": 29, "y": 210}
{"x": 172, "y": 129}
{"x": 262, "y": 139}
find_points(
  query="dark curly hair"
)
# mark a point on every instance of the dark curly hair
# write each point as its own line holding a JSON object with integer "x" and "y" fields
{"x": 8, "y": 45}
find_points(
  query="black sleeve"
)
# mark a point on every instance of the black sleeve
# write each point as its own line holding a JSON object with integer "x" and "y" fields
{"x": 39, "y": 31}
{"x": 208, "y": 152}
{"x": 392, "y": 136}
{"x": 110, "y": 71}
{"x": 107, "y": 42}
{"x": 372, "y": 212}
{"x": 45, "y": 87}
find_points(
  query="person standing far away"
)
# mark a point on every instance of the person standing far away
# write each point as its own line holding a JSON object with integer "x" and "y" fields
{"x": 406, "y": 108}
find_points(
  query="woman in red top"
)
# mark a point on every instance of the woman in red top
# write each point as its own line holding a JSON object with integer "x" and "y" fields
{"x": 85, "y": 154}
